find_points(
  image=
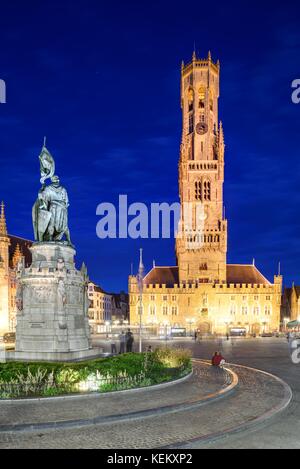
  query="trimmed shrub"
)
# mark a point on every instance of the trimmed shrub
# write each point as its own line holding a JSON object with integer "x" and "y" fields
{"x": 124, "y": 371}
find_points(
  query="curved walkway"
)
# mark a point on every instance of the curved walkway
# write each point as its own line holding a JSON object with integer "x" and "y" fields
{"x": 205, "y": 384}
{"x": 257, "y": 397}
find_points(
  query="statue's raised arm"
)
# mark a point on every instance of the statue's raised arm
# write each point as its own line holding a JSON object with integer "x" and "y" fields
{"x": 47, "y": 165}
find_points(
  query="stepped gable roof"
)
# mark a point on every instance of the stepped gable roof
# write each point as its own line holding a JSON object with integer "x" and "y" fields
{"x": 24, "y": 245}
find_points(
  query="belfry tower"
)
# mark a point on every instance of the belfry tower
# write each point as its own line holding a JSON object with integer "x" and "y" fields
{"x": 4, "y": 273}
{"x": 201, "y": 244}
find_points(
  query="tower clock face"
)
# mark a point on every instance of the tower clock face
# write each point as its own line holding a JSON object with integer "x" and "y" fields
{"x": 201, "y": 128}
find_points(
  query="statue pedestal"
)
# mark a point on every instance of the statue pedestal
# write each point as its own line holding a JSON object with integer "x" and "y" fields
{"x": 52, "y": 322}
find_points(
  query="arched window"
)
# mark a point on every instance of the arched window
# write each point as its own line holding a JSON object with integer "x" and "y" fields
{"x": 206, "y": 190}
{"x": 198, "y": 190}
{"x": 191, "y": 99}
{"x": 201, "y": 98}
{"x": 211, "y": 102}
{"x": 191, "y": 123}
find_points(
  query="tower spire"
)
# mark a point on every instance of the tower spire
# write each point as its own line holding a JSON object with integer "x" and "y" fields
{"x": 221, "y": 133}
{"x": 17, "y": 256}
{"x": 194, "y": 56}
{"x": 3, "y": 229}
{"x": 140, "y": 275}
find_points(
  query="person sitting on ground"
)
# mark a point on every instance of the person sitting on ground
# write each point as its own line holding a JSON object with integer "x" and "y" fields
{"x": 218, "y": 359}
{"x": 149, "y": 349}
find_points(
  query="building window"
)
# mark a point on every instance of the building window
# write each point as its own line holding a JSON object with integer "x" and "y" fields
{"x": 232, "y": 310}
{"x": 267, "y": 310}
{"x": 174, "y": 310}
{"x": 198, "y": 190}
{"x": 256, "y": 310}
{"x": 152, "y": 297}
{"x": 268, "y": 297}
{"x": 191, "y": 123}
{"x": 244, "y": 297}
{"x": 206, "y": 191}
{"x": 191, "y": 99}
{"x": 232, "y": 298}
{"x": 256, "y": 298}
{"x": 165, "y": 298}
{"x": 174, "y": 298}
{"x": 152, "y": 310}
{"x": 165, "y": 310}
{"x": 202, "y": 98}
{"x": 244, "y": 310}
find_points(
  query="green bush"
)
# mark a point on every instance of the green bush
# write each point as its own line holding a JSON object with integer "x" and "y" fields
{"x": 124, "y": 371}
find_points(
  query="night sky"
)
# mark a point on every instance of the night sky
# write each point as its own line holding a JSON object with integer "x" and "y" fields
{"x": 101, "y": 81}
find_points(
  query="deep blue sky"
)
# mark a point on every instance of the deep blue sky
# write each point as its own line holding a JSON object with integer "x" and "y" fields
{"x": 101, "y": 80}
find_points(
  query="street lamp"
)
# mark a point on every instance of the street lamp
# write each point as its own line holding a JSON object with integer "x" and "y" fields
{"x": 140, "y": 279}
{"x": 107, "y": 324}
{"x": 166, "y": 323}
{"x": 190, "y": 322}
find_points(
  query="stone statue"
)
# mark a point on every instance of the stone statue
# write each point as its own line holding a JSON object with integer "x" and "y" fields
{"x": 50, "y": 211}
{"x": 47, "y": 165}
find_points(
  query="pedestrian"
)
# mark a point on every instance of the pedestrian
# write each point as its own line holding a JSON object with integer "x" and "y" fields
{"x": 218, "y": 360}
{"x": 149, "y": 349}
{"x": 113, "y": 345}
{"x": 129, "y": 341}
{"x": 227, "y": 336}
{"x": 196, "y": 335}
{"x": 122, "y": 342}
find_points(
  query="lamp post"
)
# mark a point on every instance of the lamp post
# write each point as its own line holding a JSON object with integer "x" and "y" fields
{"x": 166, "y": 323}
{"x": 140, "y": 278}
{"x": 190, "y": 322}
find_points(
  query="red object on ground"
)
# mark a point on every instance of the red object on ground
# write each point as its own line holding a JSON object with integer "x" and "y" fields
{"x": 216, "y": 359}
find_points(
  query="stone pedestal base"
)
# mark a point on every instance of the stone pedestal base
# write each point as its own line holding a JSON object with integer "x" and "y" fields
{"x": 53, "y": 304}
{"x": 53, "y": 356}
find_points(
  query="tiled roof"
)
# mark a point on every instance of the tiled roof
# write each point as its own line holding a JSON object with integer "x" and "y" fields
{"x": 24, "y": 245}
{"x": 236, "y": 273}
{"x": 239, "y": 273}
{"x": 162, "y": 275}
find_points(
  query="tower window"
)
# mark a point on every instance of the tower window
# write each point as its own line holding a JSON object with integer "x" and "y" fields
{"x": 191, "y": 123}
{"x": 206, "y": 191}
{"x": 202, "y": 98}
{"x": 191, "y": 100}
{"x": 201, "y": 103}
{"x": 198, "y": 190}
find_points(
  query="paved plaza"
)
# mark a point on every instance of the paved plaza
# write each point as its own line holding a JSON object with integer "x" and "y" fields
{"x": 207, "y": 410}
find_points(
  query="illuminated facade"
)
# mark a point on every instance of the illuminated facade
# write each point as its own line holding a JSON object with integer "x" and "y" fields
{"x": 202, "y": 291}
{"x": 12, "y": 250}
{"x": 100, "y": 308}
